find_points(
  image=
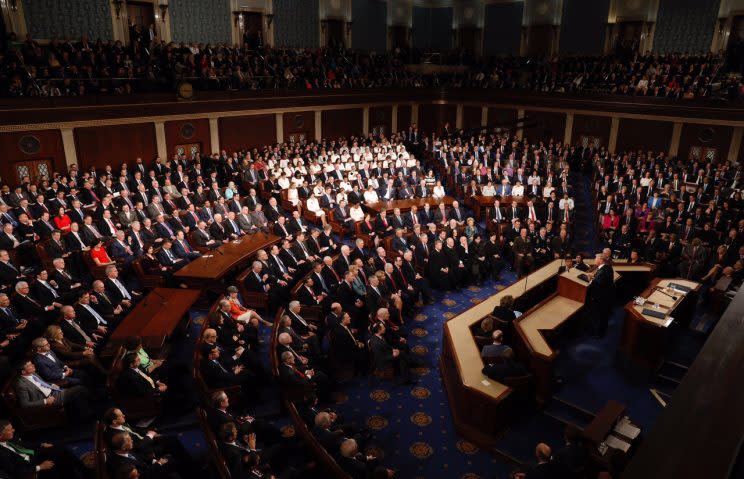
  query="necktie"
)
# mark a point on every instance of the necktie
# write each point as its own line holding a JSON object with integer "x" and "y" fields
{"x": 22, "y": 451}
{"x": 131, "y": 431}
{"x": 322, "y": 282}
{"x": 80, "y": 331}
{"x": 281, "y": 264}
{"x": 95, "y": 314}
{"x": 123, "y": 290}
{"x": 145, "y": 377}
{"x": 8, "y": 312}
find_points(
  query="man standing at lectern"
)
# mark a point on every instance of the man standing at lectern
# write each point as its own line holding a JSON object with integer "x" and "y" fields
{"x": 600, "y": 295}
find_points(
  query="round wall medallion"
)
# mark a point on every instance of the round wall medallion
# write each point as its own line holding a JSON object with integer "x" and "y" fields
{"x": 29, "y": 144}
{"x": 187, "y": 131}
{"x": 706, "y": 134}
{"x": 299, "y": 121}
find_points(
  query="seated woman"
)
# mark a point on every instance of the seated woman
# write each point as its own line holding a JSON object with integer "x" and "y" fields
{"x": 356, "y": 213}
{"x": 646, "y": 223}
{"x": 61, "y": 220}
{"x": 488, "y": 190}
{"x": 293, "y": 195}
{"x": 99, "y": 255}
{"x": 370, "y": 196}
{"x": 313, "y": 206}
{"x": 239, "y": 312}
{"x": 73, "y": 354}
{"x": 470, "y": 229}
{"x": 438, "y": 190}
{"x": 610, "y": 221}
{"x": 518, "y": 189}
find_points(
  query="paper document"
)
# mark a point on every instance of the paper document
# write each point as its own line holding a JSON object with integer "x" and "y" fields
{"x": 626, "y": 429}
{"x": 617, "y": 443}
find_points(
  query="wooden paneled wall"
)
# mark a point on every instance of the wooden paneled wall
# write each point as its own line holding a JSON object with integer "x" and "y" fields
{"x": 471, "y": 116}
{"x": 341, "y": 123}
{"x": 113, "y": 145}
{"x": 501, "y": 117}
{"x": 592, "y": 126}
{"x": 39, "y": 145}
{"x": 183, "y": 132}
{"x": 299, "y": 122}
{"x": 707, "y": 136}
{"x": 381, "y": 116}
{"x": 404, "y": 117}
{"x": 432, "y": 117}
{"x": 644, "y": 135}
{"x": 239, "y": 132}
{"x": 543, "y": 125}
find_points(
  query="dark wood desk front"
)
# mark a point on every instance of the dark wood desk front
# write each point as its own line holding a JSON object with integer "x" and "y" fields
{"x": 405, "y": 205}
{"x": 644, "y": 336}
{"x": 155, "y": 317}
{"x": 215, "y": 264}
{"x": 477, "y": 203}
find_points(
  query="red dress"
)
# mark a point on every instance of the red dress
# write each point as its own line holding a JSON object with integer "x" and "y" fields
{"x": 101, "y": 254}
{"x": 63, "y": 222}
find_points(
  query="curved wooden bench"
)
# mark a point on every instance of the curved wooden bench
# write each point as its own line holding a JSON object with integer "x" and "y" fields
{"x": 215, "y": 456}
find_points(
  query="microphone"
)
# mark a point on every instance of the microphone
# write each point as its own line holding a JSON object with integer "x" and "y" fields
{"x": 219, "y": 251}
{"x": 660, "y": 290}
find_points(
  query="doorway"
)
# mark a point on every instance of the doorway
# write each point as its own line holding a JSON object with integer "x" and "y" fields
{"x": 34, "y": 169}
{"x": 334, "y": 33}
{"x": 189, "y": 150}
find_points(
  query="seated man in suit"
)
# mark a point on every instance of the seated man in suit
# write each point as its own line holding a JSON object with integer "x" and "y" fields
{"x": 19, "y": 459}
{"x": 124, "y": 459}
{"x": 67, "y": 283}
{"x": 145, "y": 441}
{"x": 182, "y": 249}
{"x": 117, "y": 291}
{"x": 295, "y": 378}
{"x": 31, "y": 307}
{"x": 358, "y": 465}
{"x": 51, "y": 368}
{"x": 218, "y": 375}
{"x": 385, "y": 356}
{"x": 133, "y": 382}
{"x": 203, "y": 238}
{"x": 33, "y": 391}
{"x": 345, "y": 348}
{"x": 167, "y": 257}
{"x": 497, "y": 350}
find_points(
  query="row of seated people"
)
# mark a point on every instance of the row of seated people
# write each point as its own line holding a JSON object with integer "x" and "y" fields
{"x": 685, "y": 217}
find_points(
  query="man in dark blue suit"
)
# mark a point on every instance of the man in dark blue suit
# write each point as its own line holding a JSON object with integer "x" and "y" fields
{"x": 167, "y": 257}
{"x": 182, "y": 249}
{"x": 51, "y": 368}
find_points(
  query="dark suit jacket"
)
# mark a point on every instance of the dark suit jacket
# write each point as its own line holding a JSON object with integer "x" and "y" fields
{"x": 382, "y": 353}
{"x": 131, "y": 384}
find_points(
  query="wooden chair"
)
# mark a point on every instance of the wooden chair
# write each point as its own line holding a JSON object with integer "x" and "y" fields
{"x": 251, "y": 299}
{"x": 100, "y": 450}
{"x": 324, "y": 457}
{"x": 335, "y": 224}
{"x": 31, "y": 418}
{"x": 98, "y": 272}
{"x": 134, "y": 407}
{"x": 148, "y": 281}
{"x": 215, "y": 456}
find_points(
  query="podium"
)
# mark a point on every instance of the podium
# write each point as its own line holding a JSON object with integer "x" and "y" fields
{"x": 644, "y": 336}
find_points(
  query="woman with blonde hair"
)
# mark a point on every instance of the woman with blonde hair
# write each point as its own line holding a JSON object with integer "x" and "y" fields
{"x": 73, "y": 354}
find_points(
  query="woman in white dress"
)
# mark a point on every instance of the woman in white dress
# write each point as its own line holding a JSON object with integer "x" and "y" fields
{"x": 488, "y": 190}
{"x": 293, "y": 195}
{"x": 370, "y": 196}
{"x": 313, "y": 205}
{"x": 438, "y": 190}
{"x": 356, "y": 213}
{"x": 518, "y": 189}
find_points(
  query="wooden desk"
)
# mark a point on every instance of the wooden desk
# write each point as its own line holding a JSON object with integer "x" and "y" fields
{"x": 644, "y": 336}
{"x": 155, "y": 318}
{"x": 477, "y": 203}
{"x": 214, "y": 265}
{"x": 480, "y": 405}
{"x": 405, "y": 205}
{"x": 598, "y": 431}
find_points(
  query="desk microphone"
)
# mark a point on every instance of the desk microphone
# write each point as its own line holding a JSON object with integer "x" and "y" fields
{"x": 525, "y": 283}
{"x": 219, "y": 251}
{"x": 660, "y": 290}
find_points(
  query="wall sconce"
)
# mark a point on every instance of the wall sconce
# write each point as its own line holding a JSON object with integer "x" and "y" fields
{"x": 117, "y": 7}
{"x": 269, "y": 19}
{"x": 348, "y": 26}
{"x": 237, "y": 17}
{"x": 163, "y": 11}
{"x": 14, "y": 5}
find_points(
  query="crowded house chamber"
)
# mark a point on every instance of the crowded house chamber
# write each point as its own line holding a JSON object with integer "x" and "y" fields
{"x": 371, "y": 239}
